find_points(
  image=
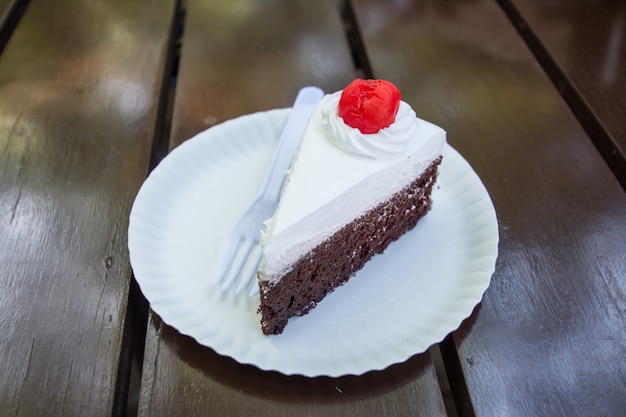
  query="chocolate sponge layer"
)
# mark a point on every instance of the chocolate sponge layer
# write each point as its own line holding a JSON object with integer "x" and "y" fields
{"x": 334, "y": 261}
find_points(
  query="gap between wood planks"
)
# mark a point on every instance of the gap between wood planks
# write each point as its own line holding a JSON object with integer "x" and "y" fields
{"x": 601, "y": 139}
{"x": 10, "y": 21}
{"x": 128, "y": 383}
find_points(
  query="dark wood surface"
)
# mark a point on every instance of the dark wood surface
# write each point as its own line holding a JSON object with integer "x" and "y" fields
{"x": 181, "y": 377}
{"x": 583, "y": 47}
{"x": 11, "y": 12}
{"x": 79, "y": 88}
{"x": 233, "y": 63}
{"x": 531, "y": 93}
{"x": 549, "y": 337}
{"x": 250, "y": 56}
{"x": 5, "y": 10}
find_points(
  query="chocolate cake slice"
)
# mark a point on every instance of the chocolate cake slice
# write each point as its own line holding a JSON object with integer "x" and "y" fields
{"x": 349, "y": 194}
{"x": 335, "y": 260}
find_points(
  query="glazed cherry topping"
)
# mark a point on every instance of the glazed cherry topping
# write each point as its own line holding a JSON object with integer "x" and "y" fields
{"x": 369, "y": 105}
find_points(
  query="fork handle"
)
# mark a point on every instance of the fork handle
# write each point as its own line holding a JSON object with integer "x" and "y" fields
{"x": 305, "y": 103}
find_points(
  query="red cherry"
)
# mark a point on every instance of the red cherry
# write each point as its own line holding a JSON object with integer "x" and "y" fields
{"x": 369, "y": 105}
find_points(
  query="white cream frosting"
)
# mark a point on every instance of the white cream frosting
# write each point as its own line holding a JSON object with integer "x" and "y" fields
{"x": 328, "y": 188}
{"x": 390, "y": 142}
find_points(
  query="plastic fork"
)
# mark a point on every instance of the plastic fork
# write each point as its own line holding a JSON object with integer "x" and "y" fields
{"x": 241, "y": 254}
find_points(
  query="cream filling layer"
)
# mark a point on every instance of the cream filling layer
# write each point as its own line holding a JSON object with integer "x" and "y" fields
{"x": 328, "y": 188}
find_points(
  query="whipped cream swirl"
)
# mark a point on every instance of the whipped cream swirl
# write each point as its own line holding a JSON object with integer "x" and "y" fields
{"x": 388, "y": 143}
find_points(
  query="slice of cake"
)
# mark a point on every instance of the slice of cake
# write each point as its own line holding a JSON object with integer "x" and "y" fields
{"x": 362, "y": 177}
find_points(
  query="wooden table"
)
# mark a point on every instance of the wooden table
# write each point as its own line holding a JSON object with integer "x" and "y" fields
{"x": 93, "y": 94}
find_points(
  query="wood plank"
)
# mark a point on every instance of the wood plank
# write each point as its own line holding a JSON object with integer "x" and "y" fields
{"x": 79, "y": 89}
{"x": 549, "y": 336}
{"x": 5, "y": 9}
{"x": 238, "y": 58}
{"x": 10, "y": 13}
{"x": 213, "y": 385}
{"x": 584, "y": 45}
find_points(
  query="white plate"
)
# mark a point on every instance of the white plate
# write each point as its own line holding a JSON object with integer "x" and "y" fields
{"x": 402, "y": 302}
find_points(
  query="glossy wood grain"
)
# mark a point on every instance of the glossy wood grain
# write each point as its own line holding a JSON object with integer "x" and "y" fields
{"x": 586, "y": 42}
{"x": 79, "y": 88}
{"x": 239, "y": 58}
{"x": 549, "y": 337}
{"x": 11, "y": 12}
{"x": 181, "y": 377}
{"x": 250, "y": 56}
{"x": 5, "y": 9}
